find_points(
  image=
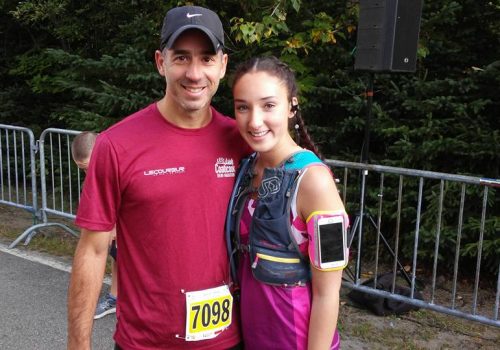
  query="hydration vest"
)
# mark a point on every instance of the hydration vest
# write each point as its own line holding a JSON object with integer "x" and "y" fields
{"x": 274, "y": 253}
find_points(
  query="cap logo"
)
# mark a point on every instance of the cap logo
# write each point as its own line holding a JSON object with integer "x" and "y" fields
{"x": 188, "y": 15}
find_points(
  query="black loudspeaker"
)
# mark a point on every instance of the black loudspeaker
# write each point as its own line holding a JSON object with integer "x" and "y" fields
{"x": 388, "y": 35}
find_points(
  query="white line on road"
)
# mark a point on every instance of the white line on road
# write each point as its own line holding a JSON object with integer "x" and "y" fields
{"x": 43, "y": 259}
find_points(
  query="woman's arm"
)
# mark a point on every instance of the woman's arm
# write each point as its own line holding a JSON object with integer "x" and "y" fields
{"x": 318, "y": 192}
{"x": 325, "y": 308}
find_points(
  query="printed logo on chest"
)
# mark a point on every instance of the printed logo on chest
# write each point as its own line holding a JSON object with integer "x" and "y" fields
{"x": 165, "y": 171}
{"x": 269, "y": 186}
{"x": 224, "y": 167}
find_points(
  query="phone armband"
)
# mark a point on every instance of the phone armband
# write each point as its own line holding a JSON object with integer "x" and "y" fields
{"x": 327, "y": 233}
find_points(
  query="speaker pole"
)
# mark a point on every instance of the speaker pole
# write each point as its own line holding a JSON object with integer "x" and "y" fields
{"x": 365, "y": 158}
{"x": 365, "y": 155}
{"x": 357, "y": 226}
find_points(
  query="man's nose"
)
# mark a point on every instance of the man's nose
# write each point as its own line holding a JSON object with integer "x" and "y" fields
{"x": 194, "y": 71}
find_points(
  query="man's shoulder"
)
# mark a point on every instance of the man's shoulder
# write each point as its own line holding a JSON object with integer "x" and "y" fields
{"x": 223, "y": 120}
{"x": 131, "y": 122}
{"x": 229, "y": 130}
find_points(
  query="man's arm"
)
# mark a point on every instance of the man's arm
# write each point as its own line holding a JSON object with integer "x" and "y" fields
{"x": 85, "y": 285}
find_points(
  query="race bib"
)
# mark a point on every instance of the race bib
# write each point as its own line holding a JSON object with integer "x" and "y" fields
{"x": 208, "y": 313}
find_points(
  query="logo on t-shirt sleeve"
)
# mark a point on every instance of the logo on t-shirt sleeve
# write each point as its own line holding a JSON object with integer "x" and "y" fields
{"x": 224, "y": 167}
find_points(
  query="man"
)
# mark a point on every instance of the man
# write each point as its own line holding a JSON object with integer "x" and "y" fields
{"x": 164, "y": 177}
{"x": 81, "y": 150}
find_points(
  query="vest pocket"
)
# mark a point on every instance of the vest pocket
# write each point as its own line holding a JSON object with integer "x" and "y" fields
{"x": 278, "y": 267}
{"x": 278, "y": 259}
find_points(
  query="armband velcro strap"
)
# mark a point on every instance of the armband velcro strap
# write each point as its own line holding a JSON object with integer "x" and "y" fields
{"x": 327, "y": 233}
{"x": 324, "y": 213}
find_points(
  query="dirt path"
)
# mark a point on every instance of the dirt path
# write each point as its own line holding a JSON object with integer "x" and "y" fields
{"x": 359, "y": 329}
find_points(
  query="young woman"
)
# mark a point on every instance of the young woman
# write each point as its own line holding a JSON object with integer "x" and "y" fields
{"x": 288, "y": 300}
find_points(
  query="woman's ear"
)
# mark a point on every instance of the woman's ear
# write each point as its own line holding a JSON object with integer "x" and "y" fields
{"x": 295, "y": 105}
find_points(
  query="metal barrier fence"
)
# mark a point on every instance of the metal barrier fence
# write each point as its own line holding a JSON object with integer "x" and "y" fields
{"x": 414, "y": 209}
{"x": 449, "y": 215}
{"x": 17, "y": 168}
{"x": 60, "y": 182}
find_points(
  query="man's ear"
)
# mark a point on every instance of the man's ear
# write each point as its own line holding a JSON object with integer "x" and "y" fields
{"x": 224, "y": 58}
{"x": 160, "y": 59}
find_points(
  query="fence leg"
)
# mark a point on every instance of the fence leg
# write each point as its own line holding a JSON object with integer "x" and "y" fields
{"x": 32, "y": 231}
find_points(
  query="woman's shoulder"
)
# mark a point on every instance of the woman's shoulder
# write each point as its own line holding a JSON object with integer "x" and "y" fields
{"x": 317, "y": 191}
{"x": 317, "y": 177}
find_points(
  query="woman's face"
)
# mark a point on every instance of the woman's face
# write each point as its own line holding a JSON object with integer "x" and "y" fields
{"x": 262, "y": 111}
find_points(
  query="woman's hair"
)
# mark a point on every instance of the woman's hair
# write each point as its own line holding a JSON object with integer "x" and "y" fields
{"x": 276, "y": 68}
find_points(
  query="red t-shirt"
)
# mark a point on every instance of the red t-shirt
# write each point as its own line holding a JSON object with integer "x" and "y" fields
{"x": 167, "y": 190}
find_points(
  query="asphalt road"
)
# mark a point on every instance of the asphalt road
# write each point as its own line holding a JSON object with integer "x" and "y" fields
{"x": 33, "y": 290}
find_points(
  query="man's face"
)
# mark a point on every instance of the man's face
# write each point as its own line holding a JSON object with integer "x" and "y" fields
{"x": 82, "y": 164}
{"x": 192, "y": 71}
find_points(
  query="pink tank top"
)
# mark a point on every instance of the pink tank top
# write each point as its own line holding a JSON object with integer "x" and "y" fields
{"x": 275, "y": 317}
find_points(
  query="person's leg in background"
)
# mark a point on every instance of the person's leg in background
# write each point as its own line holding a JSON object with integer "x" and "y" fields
{"x": 107, "y": 304}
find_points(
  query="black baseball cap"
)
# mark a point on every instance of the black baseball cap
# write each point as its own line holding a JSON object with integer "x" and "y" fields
{"x": 180, "y": 19}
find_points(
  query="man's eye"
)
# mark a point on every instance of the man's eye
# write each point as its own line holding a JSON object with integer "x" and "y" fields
{"x": 208, "y": 59}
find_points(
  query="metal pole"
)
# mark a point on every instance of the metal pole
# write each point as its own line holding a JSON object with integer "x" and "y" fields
{"x": 365, "y": 154}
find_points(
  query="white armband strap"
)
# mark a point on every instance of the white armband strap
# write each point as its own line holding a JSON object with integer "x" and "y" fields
{"x": 327, "y": 232}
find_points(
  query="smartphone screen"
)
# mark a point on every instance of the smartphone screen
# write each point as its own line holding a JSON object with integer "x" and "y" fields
{"x": 331, "y": 242}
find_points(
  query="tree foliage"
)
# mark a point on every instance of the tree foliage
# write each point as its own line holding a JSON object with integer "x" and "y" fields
{"x": 87, "y": 64}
